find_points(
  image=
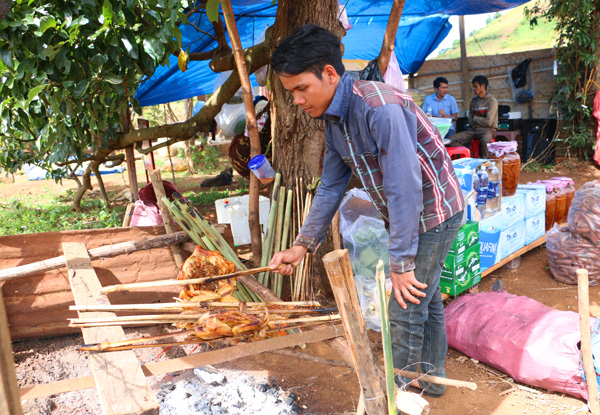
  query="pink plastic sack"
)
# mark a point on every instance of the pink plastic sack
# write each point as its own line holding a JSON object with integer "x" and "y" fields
{"x": 534, "y": 344}
{"x": 145, "y": 215}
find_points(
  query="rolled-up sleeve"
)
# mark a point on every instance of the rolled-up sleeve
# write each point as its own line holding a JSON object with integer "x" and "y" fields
{"x": 394, "y": 130}
{"x": 334, "y": 180}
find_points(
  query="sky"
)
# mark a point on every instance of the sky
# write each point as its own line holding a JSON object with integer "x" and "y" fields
{"x": 472, "y": 22}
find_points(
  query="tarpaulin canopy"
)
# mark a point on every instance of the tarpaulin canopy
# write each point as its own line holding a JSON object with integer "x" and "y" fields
{"x": 423, "y": 26}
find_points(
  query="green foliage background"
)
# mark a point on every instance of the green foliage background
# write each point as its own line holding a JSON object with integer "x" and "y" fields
{"x": 577, "y": 23}
{"x": 70, "y": 68}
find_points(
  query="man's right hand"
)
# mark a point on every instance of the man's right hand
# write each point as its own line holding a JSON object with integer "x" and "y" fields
{"x": 442, "y": 113}
{"x": 290, "y": 257}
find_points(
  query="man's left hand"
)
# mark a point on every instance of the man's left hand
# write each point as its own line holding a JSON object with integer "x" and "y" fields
{"x": 406, "y": 287}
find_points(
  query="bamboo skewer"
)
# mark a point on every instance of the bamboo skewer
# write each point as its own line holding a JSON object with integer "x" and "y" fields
{"x": 103, "y": 345}
{"x": 187, "y": 305}
{"x": 171, "y": 282}
{"x": 163, "y": 319}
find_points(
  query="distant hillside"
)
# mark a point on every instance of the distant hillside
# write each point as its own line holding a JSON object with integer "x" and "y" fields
{"x": 506, "y": 34}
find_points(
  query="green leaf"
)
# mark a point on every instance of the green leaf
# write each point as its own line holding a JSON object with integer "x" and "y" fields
{"x": 112, "y": 78}
{"x": 80, "y": 88}
{"x": 6, "y": 57}
{"x": 47, "y": 22}
{"x": 107, "y": 12}
{"x": 34, "y": 92}
{"x": 130, "y": 48}
{"x": 212, "y": 10}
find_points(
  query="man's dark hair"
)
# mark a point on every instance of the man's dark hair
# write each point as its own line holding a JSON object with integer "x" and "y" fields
{"x": 308, "y": 48}
{"x": 438, "y": 81}
{"x": 481, "y": 80}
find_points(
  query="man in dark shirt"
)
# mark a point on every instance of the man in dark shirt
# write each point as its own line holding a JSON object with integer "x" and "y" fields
{"x": 483, "y": 118}
{"x": 379, "y": 134}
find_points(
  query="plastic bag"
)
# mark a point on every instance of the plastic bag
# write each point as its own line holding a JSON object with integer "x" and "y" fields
{"x": 393, "y": 75}
{"x": 231, "y": 119}
{"x": 569, "y": 251}
{"x": 368, "y": 298}
{"x": 261, "y": 73}
{"x": 519, "y": 74}
{"x": 584, "y": 213}
{"x": 371, "y": 72}
{"x": 532, "y": 343}
{"x": 356, "y": 203}
{"x": 223, "y": 76}
{"x": 367, "y": 242}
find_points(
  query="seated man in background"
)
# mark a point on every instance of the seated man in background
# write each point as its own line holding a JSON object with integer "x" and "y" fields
{"x": 483, "y": 118}
{"x": 441, "y": 104}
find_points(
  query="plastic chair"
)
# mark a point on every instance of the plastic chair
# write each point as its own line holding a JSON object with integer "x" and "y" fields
{"x": 475, "y": 147}
{"x": 458, "y": 152}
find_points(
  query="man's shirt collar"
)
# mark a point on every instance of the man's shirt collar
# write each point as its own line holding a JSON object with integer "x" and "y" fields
{"x": 340, "y": 104}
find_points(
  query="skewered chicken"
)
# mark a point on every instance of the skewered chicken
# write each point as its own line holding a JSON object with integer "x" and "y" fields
{"x": 231, "y": 323}
{"x": 206, "y": 264}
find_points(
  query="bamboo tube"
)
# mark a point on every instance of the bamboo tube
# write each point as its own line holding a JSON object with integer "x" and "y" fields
{"x": 277, "y": 246}
{"x": 171, "y": 282}
{"x": 267, "y": 249}
{"x": 385, "y": 336}
{"x": 286, "y": 217}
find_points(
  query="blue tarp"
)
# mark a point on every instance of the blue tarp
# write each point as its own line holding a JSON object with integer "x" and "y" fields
{"x": 423, "y": 26}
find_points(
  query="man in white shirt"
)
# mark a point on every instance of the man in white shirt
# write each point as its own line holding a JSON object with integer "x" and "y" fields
{"x": 441, "y": 103}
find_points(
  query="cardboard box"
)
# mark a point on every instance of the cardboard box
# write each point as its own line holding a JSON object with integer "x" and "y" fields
{"x": 513, "y": 210}
{"x": 467, "y": 237}
{"x": 460, "y": 271}
{"x": 535, "y": 198}
{"x": 512, "y": 239}
{"x": 490, "y": 230}
{"x": 465, "y": 169}
{"x": 468, "y": 259}
{"x": 448, "y": 286}
{"x": 535, "y": 227}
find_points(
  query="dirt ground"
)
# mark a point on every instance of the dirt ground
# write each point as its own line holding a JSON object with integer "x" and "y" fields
{"x": 326, "y": 389}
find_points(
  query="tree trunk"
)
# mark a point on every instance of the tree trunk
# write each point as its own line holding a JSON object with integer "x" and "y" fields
{"x": 299, "y": 141}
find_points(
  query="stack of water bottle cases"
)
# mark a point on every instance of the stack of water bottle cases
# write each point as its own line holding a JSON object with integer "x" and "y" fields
{"x": 500, "y": 221}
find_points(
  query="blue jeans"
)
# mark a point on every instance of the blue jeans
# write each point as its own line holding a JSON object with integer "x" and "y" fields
{"x": 419, "y": 333}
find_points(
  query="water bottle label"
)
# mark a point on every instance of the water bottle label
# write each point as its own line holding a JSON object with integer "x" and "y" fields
{"x": 482, "y": 195}
{"x": 493, "y": 190}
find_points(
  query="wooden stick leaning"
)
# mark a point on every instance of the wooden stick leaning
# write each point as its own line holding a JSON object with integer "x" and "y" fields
{"x": 171, "y": 282}
{"x": 586, "y": 340}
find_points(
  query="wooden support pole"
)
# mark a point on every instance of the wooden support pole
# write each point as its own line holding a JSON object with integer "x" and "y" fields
{"x": 95, "y": 253}
{"x": 390, "y": 35}
{"x": 583, "y": 288}
{"x": 159, "y": 191}
{"x": 240, "y": 62}
{"x": 464, "y": 65}
{"x": 119, "y": 379}
{"x": 10, "y": 403}
{"x": 339, "y": 271}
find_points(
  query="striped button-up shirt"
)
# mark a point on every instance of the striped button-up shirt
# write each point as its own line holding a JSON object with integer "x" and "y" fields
{"x": 379, "y": 134}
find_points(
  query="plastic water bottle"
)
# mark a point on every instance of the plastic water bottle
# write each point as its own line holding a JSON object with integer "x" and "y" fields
{"x": 482, "y": 193}
{"x": 429, "y": 111}
{"x": 493, "y": 188}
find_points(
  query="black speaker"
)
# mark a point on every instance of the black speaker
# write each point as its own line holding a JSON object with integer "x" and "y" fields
{"x": 538, "y": 135}
{"x": 462, "y": 124}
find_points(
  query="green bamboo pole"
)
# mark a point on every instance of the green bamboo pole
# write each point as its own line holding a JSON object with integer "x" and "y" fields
{"x": 266, "y": 252}
{"x": 385, "y": 335}
{"x": 286, "y": 216}
{"x": 278, "y": 232}
{"x": 184, "y": 223}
